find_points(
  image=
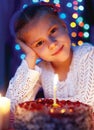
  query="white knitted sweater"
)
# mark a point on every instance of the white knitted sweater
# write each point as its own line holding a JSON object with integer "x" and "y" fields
{"x": 78, "y": 86}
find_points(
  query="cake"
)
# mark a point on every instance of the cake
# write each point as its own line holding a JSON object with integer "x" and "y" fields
{"x": 42, "y": 115}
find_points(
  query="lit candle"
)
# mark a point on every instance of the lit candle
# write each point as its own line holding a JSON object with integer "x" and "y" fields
{"x": 55, "y": 88}
{"x": 4, "y": 112}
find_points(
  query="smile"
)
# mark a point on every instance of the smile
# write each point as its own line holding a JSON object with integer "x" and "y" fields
{"x": 58, "y": 50}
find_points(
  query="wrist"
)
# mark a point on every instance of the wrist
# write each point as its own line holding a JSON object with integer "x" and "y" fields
{"x": 31, "y": 61}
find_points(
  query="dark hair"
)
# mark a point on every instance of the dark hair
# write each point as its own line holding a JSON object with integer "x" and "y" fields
{"x": 21, "y": 18}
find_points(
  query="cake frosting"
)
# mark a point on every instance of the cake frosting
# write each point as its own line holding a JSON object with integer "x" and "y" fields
{"x": 41, "y": 114}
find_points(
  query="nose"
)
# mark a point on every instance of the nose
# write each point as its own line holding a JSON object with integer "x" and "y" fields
{"x": 52, "y": 43}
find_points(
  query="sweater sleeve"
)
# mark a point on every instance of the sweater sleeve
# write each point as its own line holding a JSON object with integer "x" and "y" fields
{"x": 24, "y": 85}
{"x": 86, "y": 76}
{"x": 85, "y": 88}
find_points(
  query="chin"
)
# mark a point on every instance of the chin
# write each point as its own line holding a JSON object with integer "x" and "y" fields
{"x": 63, "y": 58}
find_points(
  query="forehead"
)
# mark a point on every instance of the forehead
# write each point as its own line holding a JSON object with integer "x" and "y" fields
{"x": 38, "y": 26}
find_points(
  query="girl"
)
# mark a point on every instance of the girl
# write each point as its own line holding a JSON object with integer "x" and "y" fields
{"x": 42, "y": 34}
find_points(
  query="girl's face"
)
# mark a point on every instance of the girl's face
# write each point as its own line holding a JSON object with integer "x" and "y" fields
{"x": 48, "y": 37}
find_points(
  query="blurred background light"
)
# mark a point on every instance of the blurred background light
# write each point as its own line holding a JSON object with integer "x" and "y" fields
{"x": 69, "y": 4}
{"x": 80, "y": 42}
{"x": 79, "y": 19}
{"x": 25, "y": 5}
{"x": 35, "y": 1}
{"x": 22, "y": 56}
{"x": 81, "y": 8}
{"x": 73, "y": 44}
{"x": 75, "y": 15}
{"x": 73, "y": 34}
{"x": 63, "y": 16}
{"x": 86, "y": 26}
{"x": 75, "y": 7}
{"x": 86, "y": 34}
{"x": 80, "y": 34}
{"x": 81, "y": 24}
{"x": 17, "y": 47}
{"x": 56, "y": 1}
{"x": 75, "y": 2}
{"x": 79, "y": 0}
{"x": 46, "y": 0}
{"x": 73, "y": 24}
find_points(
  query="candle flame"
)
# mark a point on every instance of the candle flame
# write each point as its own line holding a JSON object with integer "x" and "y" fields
{"x": 55, "y": 79}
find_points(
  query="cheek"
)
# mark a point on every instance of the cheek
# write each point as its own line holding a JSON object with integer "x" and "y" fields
{"x": 41, "y": 52}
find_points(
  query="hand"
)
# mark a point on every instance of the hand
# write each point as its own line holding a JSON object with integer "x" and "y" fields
{"x": 31, "y": 56}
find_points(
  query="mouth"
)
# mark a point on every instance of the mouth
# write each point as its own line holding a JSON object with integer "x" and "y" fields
{"x": 58, "y": 51}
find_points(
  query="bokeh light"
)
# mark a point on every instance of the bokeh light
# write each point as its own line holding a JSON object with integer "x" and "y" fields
{"x": 75, "y": 2}
{"x": 79, "y": 19}
{"x": 22, "y": 56}
{"x": 17, "y": 47}
{"x": 86, "y": 26}
{"x": 80, "y": 42}
{"x": 56, "y": 1}
{"x": 25, "y": 5}
{"x": 72, "y": 24}
{"x": 81, "y": 8}
{"x": 63, "y": 15}
{"x": 80, "y": 34}
{"x": 86, "y": 34}
{"x": 73, "y": 34}
{"x": 69, "y": 4}
{"x": 81, "y": 24}
{"x": 75, "y": 15}
{"x": 46, "y": 0}
{"x": 79, "y": 0}
{"x": 35, "y": 1}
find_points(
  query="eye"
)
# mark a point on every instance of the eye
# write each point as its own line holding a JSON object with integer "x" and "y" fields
{"x": 53, "y": 30}
{"x": 40, "y": 43}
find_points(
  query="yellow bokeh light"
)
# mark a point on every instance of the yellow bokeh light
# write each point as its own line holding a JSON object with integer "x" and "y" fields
{"x": 46, "y": 0}
{"x": 75, "y": 15}
{"x": 73, "y": 24}
{"x": 80, "y": 42}
{"x": 73, "y": 44}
